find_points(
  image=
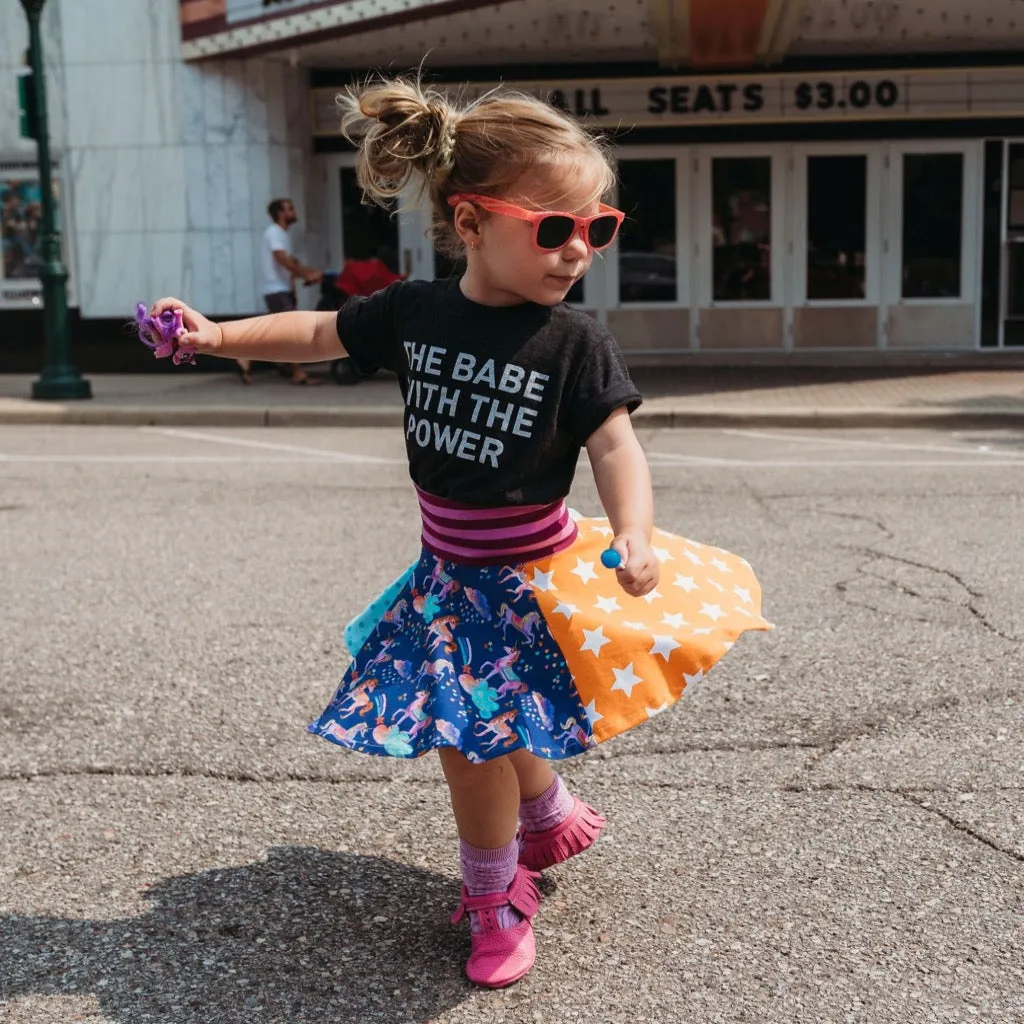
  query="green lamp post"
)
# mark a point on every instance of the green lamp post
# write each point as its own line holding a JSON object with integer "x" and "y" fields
{"x": 60, "y": 378}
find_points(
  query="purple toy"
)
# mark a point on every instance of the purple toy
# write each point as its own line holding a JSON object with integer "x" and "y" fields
{"x": 161, "y": 334}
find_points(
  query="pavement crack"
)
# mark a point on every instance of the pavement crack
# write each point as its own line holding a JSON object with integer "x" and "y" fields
{"x": 980, "y": 837}
{"x": 246, "y": 778}
{"x": 873, "y": 555}
{"x": 861, "y": 518}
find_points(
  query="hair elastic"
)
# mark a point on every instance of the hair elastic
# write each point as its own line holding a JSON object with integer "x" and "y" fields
{"x": 446, "y": 147}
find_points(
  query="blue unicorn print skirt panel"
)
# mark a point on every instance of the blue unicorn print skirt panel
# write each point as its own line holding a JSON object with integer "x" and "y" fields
{"x": 551, "y": 656}
{"x": 461, "y": 661}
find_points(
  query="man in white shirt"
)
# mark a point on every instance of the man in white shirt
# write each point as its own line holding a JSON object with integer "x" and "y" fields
{"x": 278, "y": 269}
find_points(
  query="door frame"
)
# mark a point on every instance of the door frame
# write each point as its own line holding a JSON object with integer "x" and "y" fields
{"x": 1004, "y": 243}
{"x": 703, "y": 222}
{"x": 411, "y": 226}
{"x": 609, "y": 281}
{"x": 971, "y": 225}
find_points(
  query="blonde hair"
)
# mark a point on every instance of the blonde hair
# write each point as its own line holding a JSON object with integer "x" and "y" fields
{"x": 404, "y": 131}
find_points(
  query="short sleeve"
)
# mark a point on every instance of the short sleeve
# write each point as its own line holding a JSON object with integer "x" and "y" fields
{"x": 602, "y": 384}
{"x": 370, "y": 329}
{"x": 277, "y": 237}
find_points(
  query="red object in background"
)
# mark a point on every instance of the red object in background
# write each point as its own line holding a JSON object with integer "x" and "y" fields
{"x": 725, "y": 32}
{"x": 364, "y": 277}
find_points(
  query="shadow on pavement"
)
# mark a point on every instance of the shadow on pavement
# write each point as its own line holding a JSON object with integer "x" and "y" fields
{"x": 307, "y": 936}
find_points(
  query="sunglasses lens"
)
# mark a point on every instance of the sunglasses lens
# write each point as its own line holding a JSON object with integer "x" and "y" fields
{"x": 553, "y": 232}
{"x": 602, "y": 231}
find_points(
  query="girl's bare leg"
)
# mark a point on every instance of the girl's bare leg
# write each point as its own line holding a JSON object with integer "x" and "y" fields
{"x": 534, "y": 773}
{"x": 485, "y": 798}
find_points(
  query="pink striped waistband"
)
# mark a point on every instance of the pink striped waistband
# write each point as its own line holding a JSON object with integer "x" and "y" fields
{"x": 488, "y": 536}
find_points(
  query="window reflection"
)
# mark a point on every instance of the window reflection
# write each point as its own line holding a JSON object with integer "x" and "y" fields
{"x": 932, "y": 224}
{"x": 647, "y": 242}
{"x": 741, "y": 189}
{"x": 837, "y": 202}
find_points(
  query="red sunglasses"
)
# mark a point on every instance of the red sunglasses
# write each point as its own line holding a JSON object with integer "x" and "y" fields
{"x": 554, "y": 230}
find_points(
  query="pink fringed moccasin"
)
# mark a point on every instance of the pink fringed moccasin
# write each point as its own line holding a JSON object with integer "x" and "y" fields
{"x": 578, "y": 832}
{"x": 501, "y": 956}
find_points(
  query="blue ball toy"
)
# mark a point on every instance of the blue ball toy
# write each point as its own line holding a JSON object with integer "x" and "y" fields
{"x": 611, "y": 559}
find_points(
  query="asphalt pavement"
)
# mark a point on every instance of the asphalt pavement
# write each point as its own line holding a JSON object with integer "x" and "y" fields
{"x": 831, "y": 829}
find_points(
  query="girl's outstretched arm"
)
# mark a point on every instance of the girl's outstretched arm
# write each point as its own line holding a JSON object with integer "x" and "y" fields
{"x": 624, "y": 484}
{"x": 298, "y": 337}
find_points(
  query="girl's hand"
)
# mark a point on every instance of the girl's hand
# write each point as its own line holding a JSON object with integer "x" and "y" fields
{"x": 640, "y": 569}
{"x": 201, "y": 334}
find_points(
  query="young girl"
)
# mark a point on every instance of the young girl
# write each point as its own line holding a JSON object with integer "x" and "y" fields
{"x": 508, "y": 644}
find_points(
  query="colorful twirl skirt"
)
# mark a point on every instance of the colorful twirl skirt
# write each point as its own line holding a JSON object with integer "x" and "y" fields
{"x": 548, "y": 654}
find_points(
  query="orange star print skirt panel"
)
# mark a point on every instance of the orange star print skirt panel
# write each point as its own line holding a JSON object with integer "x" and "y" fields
{"x": 549, "y": 655}
{"x": 632, "y": 657}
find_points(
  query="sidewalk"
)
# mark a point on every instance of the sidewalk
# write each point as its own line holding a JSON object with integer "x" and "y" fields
{"x": 674, "y": 397}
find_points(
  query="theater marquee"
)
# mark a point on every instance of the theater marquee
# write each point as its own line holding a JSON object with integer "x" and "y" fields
{"x": 734, "y": 99}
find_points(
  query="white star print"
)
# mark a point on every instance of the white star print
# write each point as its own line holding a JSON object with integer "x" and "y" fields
{"x": 608, "y": 604}
{"x": 566, "y": 609}
{"x": 742, "y": 611}
{"x": 742, "y": 594}
{"x": 626, "y": 679}
{"x": 693, "y": 557}
{"x": 593, "y": 715}
{"x": 717, "y": 586}
{"x": 676, "y": 621}
{"x": 727, "y": 644}
{"x": 703, "y": 631}
{"x": 720, "y": 565}
{"x": 542, "y": 580}
{"x": 595, "y": 640}
{"x": 652, "y": 596}
{"x": 661, "y": 554}
{"x": 712, "y": 612}
{"x": 605, "y": 531}
{"x": 686, "y": 582}
{"x": 636, "y": 625}
{"x": 651, "y": 712}
{"x": 663, "y": 645}
{"x": 692, "y": 681}
{"x": 585, "y": 571}
{"x": 574, "y": 515}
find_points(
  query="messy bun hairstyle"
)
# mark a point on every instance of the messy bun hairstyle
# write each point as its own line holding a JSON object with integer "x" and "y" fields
{"x": 410, "y": 134}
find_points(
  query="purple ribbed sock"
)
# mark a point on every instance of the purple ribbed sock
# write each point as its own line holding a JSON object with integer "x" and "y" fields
{"x": 486, "y": 871}
{"x": 549, "y": 809}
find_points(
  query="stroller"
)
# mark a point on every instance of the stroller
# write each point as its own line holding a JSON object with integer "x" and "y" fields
{"x": 357, "y": 277}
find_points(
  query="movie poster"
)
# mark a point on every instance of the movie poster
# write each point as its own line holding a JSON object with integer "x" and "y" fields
{"x": 21, "y": 235}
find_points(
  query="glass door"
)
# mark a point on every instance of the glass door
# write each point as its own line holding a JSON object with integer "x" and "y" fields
{"x": 932, "y": 244}
{"x": 739, "y": 241}
{"x": 836, "y": 267}
{"x": 1013, "y": 276}
{"x": 360, "y": 231}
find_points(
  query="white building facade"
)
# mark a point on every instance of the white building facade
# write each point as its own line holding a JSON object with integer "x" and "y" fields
{"x": 802, "y": 178}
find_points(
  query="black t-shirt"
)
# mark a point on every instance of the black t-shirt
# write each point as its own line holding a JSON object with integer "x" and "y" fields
{"x": 498, "y": 399}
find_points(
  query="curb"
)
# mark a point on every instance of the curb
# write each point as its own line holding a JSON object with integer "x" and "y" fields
{"x": 392, "y": 416}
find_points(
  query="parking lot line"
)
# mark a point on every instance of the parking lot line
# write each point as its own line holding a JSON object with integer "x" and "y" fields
{"x": 323, "y": 453}
{"x": 841, "y": 442}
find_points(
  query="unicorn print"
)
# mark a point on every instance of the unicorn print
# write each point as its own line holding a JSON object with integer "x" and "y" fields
{"x": 448, "y": 584}
{"x": 441, "y": 630}
{"x": 524, "y": 624}
{"x": 358, "y": 697}
{"x": 500, "y": 727}
{"x": 503, "y": 666}
{"x": 413, "y": 712}
{"x": 572, "y": 732}
{"x": 347, "y": 737}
